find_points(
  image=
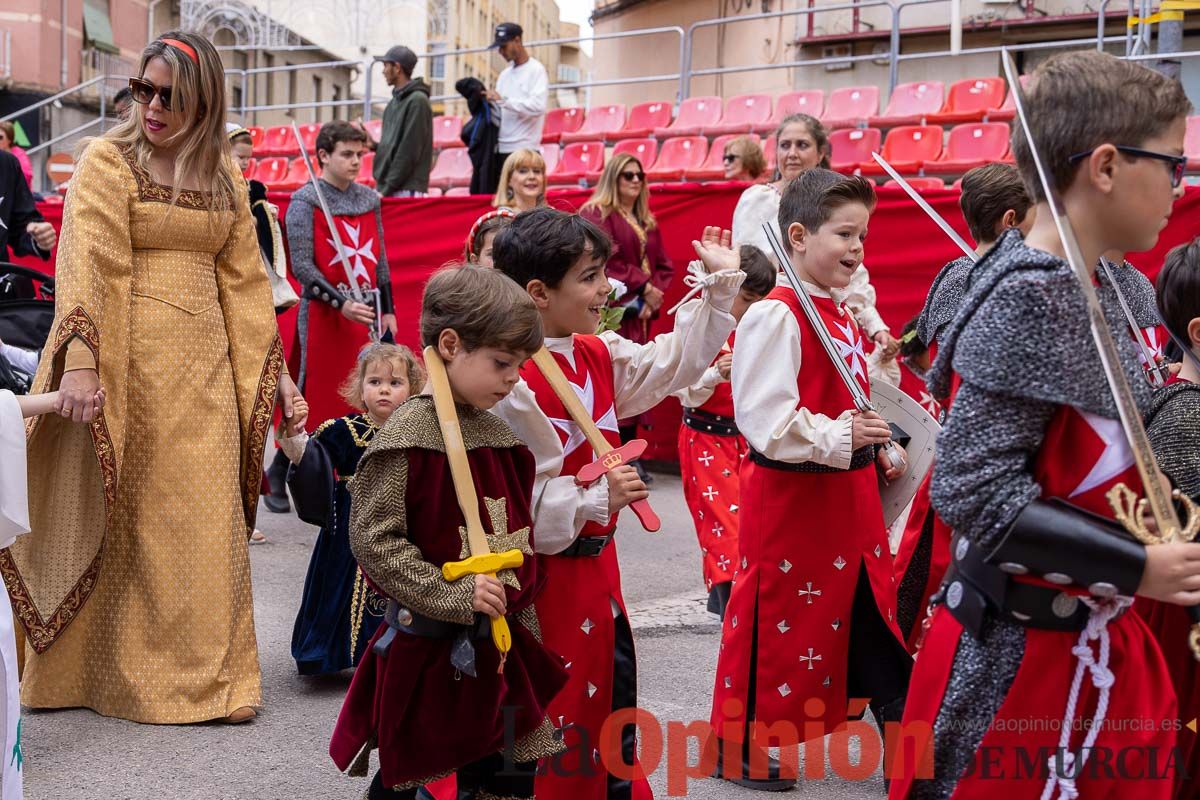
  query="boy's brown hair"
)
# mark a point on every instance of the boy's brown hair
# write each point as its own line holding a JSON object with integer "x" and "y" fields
{"x": 400, "y": 357}
{"x": 484, "y": 307}
{"x": 1178, "y": 289}
{"x": 760, "y": 270}
{"x": 987, "y": 193}
{"x": 1078, "y": 101}
{"x": 812, "y": 198}
{"x": 334, "y": 133}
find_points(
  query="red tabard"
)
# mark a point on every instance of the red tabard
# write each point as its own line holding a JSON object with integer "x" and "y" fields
{"x": 804, "y": 538}
{"x": 425, "y": 717}
{"x": 708, "y": 466}
{"x": 333, "y": 340}
{"x": 575, "y": 607}
{"x": 1081, "y": 458}
{"x": 915, "y": 388}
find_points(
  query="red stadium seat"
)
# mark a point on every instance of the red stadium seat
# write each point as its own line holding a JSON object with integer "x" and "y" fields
{"x": 248, "y": 172}
{"x": 278, "y": 141}
{"x": 969, "y": 100}
{"x": 644, "y": 118}
{"x": 295, "y": 177}
{"x": 851, "y": 106}
{"x": 374, "y": 127}
{"x": 560, "y": 121}
{"x": 769, "y": 152}
{"x": 907, "y": 148}
{"x": 366, "y": 170}
{"x": 1008, "y": 110}
{"x": 446, "y": 132}
{"x": 644, "y": 150}
{"x": 921, "y": 184}
{"x": 852, "y": 146}
{"x": 743, "y": 113}
{"x": 603, "y": 122}
{"x": 910, "y": 104}
{"x": 257, "y": 133}
{"x": 972, "y": 145}
{"x": 677, "y": 156}
{"x": 713, "y": 168}
{"x": 550, "y": 156}
{"x": 271, "y": 170}
{"x": 695, "y": 114}
{"x": 458, "y": 191}
{"x": 579, "y": 161}
{"x": 452, "y": 168}
{"x": 1191, "y": 142}
{"x": 811, "y": 102}
{"x": 308, "y": 135}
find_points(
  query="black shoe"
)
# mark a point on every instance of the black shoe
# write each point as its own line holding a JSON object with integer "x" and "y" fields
{"x": 772, "y": 781}
{"x": 277, "y": 500}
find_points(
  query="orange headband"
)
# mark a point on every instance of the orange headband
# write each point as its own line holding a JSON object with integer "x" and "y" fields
{"x": 184, "y": 46}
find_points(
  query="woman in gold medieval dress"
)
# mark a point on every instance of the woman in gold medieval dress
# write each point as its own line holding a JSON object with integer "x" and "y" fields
{"x": 134, "y": 585}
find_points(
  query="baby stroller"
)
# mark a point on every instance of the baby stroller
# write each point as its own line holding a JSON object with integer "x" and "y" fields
{"x": 26, "y": 316}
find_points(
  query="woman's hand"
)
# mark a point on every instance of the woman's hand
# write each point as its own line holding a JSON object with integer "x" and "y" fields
{"x": 286, "y": 395}
{"x": 79, "y": 396}
{"x": 653, "y": 297}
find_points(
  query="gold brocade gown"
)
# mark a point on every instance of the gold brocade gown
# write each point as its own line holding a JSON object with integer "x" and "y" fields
{"x": 135, "y": 585}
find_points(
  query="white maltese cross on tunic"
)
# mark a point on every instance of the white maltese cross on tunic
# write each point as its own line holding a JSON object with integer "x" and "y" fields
{"x": 851, "y": 349}
{"x": 587, "y": 395}
{"x": 351, "y": 253}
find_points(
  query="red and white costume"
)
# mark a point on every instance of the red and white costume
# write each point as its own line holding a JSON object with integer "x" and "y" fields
{"x": 806, "y": 537}
{"x": 581, "y": 608}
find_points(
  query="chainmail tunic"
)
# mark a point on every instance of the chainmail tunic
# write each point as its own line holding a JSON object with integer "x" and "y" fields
{"x": 1174, "y": 427}
{"x": 943, "y": 300}
{"x": 1021, "y": 344}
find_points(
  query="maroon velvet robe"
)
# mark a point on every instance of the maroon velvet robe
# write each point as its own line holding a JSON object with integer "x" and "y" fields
{"x": 625, "y": 265}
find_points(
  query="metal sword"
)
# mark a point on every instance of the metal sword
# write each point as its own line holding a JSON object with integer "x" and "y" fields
{"x": 352, "y": 288}
{"x": 928, "y": 209}
{"x": 1153, "y": 374}
{"x": 861, "y": 401}
{"x": 1125, "y": 504}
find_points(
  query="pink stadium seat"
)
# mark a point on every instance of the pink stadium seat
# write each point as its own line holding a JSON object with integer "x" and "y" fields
{"x": 1191, "y": 142}
{"x": 742, "y": 113}
{"x": 910, "y": 104}
{"x": 644, "y": 150}
{"x": 603, "y": 122}
{"x": 644, "y": 118}
{"x": 972, "y": 145}
{"x": 257, "y": 133}
{"x": 366, "y": 170}
{"x": 811, "y": 102}
{"x": 677, "y": 156}
{"x": 374, "y": 127}
{"x": 560, "y": 121}
{"x": 852, "y": 146}
{"x": 297, "y": 176}
{"x": 713, "y": 168}
{"x": 308, "y": 135}
{"x": 248, "y": 172}
{"x": 851, "y": 106}
{"x": 452, "y": 168}
{"x": 271, "y": 170}
{"x": 969, "y": 100}
{"x": 1008, "y": 110}
{"x": 278, "y": 141}
{"x": 446, "y": 131}
{"x": 550, "y": 156}
{"x": 907, "y": 148}
{"x": 769, "y": 151}
{"x": 579, "y": 161}
{"x": 921, "y": 184}
{"x": 458, "y": 191}
{"x": 695, "y": 115}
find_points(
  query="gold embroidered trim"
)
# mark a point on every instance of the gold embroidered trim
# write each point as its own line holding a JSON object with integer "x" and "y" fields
{"x": 542, "y": 742}
{"x": 367, "y": 424}
{"x": 260, "y": 422}
{"x": 151, "y": 191}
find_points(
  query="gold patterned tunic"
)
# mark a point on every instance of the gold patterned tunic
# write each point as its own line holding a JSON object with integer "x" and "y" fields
{"x": 134, "y": 584}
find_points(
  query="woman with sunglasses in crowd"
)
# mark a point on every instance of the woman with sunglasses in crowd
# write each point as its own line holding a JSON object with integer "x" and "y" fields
{"x": 743, "y": 159}
{"x": 801, "y": 143}
{"x": 134, "y": 586}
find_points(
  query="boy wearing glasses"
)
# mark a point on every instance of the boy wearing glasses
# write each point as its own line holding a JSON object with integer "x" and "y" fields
{"x": 1031, "y": 671}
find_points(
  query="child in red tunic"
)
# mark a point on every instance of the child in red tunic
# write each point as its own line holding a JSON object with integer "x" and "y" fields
{"x": 559, "y": 259}
{"x": 432, "y": 693}
{"x": 711, "y": 449}
{"x": 811, "y": 620}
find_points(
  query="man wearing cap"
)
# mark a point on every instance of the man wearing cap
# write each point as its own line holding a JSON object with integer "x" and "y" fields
{"x": 404, "y": 152}
{"x": 520, "y": 92}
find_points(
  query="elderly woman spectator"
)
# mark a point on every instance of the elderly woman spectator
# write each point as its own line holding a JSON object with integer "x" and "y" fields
{"x": 744, "y": 160}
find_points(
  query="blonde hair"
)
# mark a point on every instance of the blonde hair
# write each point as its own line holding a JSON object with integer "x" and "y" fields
{"x": 605, "y": 198}
{"x": 519, "y": 158}
{"x": 10, "y": 132}
{"x": 204, "y": 150}
{"x": 749, "y": 150}
{"x": 400, "y": 357}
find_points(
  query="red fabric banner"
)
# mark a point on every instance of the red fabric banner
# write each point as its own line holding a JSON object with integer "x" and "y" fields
{"x": 905, "y": 249}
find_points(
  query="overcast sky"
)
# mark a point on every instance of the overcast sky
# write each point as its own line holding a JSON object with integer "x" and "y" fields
{"x": 578, "y": 11}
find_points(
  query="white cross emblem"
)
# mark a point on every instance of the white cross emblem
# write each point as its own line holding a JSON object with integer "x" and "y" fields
{"x": 353, "y": 250}
{"x": 723, "y": 563}
{"x": 851, "y": 349}
{"x": 706, "y": 459}
{"x": 808, "y": 593}
{"x": 718, "y": 529}
{"x": 810, "y": 658}
{"x": 1116, "y": 458}
{"x": 1149, "y": 336}
{"x": 710, "y": 494}
{"x": 587, "y": 396}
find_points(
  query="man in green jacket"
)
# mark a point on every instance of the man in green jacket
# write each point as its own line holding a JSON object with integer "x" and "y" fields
{"x": 404, "y": 153}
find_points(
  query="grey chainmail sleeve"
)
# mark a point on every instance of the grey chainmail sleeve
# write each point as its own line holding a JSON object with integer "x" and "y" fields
{"x": 300, "y": 234}
{"x": 1174, "y": 428}
{"x": 945, "y": 295}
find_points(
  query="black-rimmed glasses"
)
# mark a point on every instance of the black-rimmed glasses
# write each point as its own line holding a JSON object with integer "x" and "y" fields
{"x": 143, "y": 91}
{"x": 1178, "y": 163}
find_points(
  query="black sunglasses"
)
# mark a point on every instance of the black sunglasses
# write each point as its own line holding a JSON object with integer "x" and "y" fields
{"x": 1178, "y": 163}
{"x": 143, "y": 91}
{"x": 730, "y": 158}
{"x": 630, "y": 175}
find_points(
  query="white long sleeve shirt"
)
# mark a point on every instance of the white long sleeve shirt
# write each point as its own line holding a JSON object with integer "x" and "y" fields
{"x": 643, "y": 376}
{"x": 524, "y": 90}
{"x": 759, "y": 204}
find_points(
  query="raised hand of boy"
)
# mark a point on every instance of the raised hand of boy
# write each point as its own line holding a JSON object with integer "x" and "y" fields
{"x": 624, "y": 487}
{"x": 715, "y": 250}
{"x": 868, "y": 428}
{"x": 489, "y": 596}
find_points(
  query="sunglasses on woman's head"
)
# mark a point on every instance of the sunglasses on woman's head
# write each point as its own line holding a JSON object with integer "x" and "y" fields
{"x": 630, "y": 175}
{"x": 143, "y": 91}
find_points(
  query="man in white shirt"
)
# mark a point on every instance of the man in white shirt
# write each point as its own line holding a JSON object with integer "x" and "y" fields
{"x": 521, "y": 92}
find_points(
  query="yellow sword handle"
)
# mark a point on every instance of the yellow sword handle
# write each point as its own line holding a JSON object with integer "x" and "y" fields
{"x": 488, "y": 564}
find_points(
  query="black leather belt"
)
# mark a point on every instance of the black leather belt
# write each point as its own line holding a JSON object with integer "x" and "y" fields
{"x": 705, "y": 422}
{"x": 862, "y": 457}
{"x": 586, "y": 547}
{"x": 403, "y": 620}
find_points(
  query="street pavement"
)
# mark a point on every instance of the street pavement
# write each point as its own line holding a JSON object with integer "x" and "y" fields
{"x": 283, "y": 754}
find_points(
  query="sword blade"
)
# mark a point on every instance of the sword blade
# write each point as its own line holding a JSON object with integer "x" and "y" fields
{"x": 1131, "y": 418}
{"x": 937, "y": 218}
{"x": 1152, "y": 374}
